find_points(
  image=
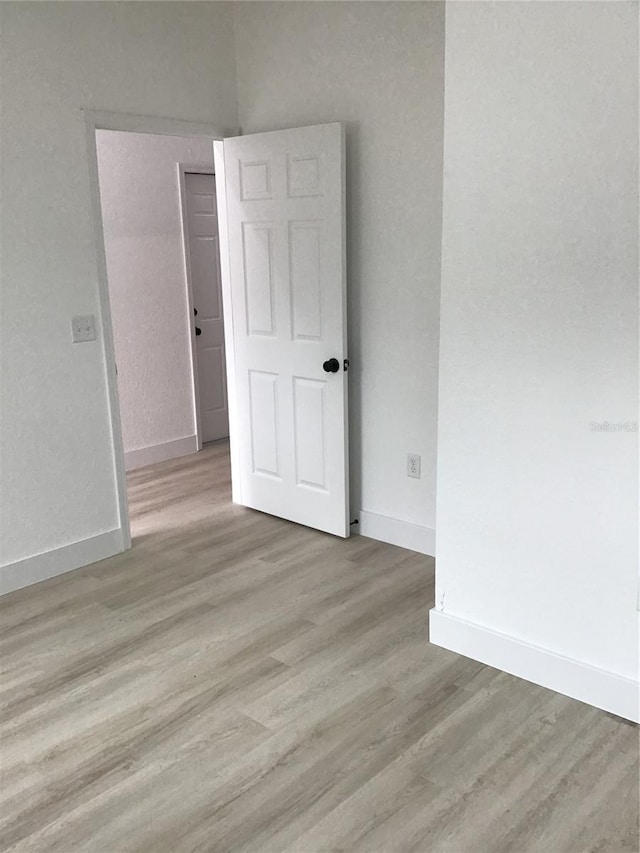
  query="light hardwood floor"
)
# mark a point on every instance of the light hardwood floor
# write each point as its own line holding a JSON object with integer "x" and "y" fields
{"x": 238, "y": 683}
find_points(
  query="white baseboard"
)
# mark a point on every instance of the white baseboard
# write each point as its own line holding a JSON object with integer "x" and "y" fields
{"x": 60, "y": 560}
{"x": 598, "y": 687}
{"x": 160, "y": 452}
{"x": 415, "y": 537}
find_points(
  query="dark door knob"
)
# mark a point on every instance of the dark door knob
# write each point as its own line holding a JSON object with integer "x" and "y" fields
{"x": 198, "y": 331}
{"x": 331, "y": 366}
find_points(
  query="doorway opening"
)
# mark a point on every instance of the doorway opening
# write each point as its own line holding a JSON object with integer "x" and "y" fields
{"x": 283, "y": 280}
{"x": 159, "y": 219}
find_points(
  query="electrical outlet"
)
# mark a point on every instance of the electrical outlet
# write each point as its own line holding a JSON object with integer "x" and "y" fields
{"x": 413, "y": 465}
{"x": 83, "y": 328}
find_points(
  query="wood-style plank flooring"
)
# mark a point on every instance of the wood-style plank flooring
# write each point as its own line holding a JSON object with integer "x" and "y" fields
{"x": 238, "y": 683}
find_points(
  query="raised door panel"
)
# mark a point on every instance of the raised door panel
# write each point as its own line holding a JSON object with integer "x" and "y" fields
{"x": 305, "y": 175}
{"x": 310, "y": 424}
{"x": 263, "y": 398}
{"x": 257, "y": 260}
{"x": 255, "y": 179}
{"x": 305, "y": 276}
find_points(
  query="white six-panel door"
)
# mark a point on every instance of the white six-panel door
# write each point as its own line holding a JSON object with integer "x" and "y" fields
{"x": 204, "y": 264}
{"x": 286, "y": 266}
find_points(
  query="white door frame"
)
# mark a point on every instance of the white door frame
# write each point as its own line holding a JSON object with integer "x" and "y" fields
{"x": 182, "y": 190}
{"x": 98, "y": 120}
{"x": 227, "y": 319}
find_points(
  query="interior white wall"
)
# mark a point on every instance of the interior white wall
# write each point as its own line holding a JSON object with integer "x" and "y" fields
{"x": 537, "y": 512}
{"x": 379, "y": 68}
{"x": 141, "y": 215}
{"x": 163, "y": 59}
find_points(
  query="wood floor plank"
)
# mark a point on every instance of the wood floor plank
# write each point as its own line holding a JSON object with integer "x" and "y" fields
{"x": 238, "y": 683}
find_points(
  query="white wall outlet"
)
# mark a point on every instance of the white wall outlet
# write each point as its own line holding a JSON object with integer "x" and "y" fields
{"x": 83, "y": 328}
{"x": 413, "y": 465}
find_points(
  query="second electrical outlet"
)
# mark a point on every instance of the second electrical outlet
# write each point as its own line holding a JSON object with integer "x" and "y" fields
{"x": 413, "y": 465}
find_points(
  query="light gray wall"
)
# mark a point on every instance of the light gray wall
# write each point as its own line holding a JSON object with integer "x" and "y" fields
{"x": 537, "y": 513}
{"x": 164, "y": 59}
{"x": 141, "y": 214}
{"x": 379, "y": 68}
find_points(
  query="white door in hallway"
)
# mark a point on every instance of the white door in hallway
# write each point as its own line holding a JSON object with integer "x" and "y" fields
{"x": 204, "y": 262}
{"x": 284, "y": 208}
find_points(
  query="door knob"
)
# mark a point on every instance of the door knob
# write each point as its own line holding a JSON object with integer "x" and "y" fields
{"x": 331, "y": 366}
{"x": 198, "y": 331}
